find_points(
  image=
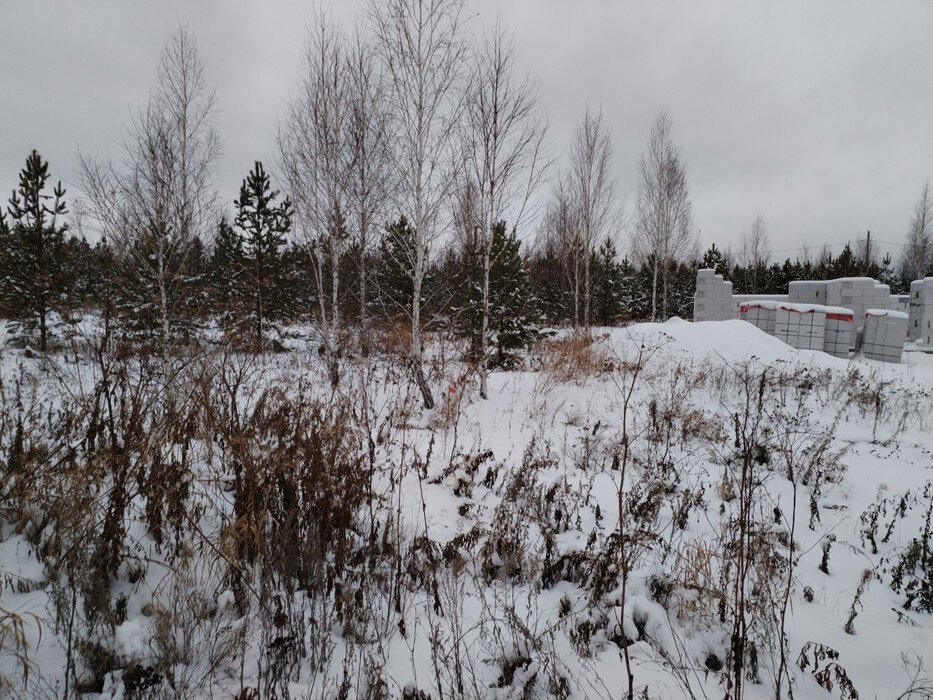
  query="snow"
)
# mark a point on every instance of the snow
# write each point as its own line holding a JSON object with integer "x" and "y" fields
{"x": 560, "y": 432}
{"x": 763, "y": 304}
{"x": 886, "y": 312}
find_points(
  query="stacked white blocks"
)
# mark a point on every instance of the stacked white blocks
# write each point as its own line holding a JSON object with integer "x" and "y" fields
{"x": 801, "y": 326}
{"x": 883, "y": 335}
{"x": 920, "y": 326}
{"x": 859, "y": 294}
{"x": 839, "y": 331}
{"x": 713, "y": 298}
{"x": 738, "y": 300}
{"x": 827, "y": 314}
{"x": 856, "y": 293}
{"x": 807, "y": 292}
{"x": 900, "y": 302}
{"x": 760, "y": 314}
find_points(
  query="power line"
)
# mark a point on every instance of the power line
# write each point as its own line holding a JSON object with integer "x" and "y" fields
{"x": 821, "y": 246}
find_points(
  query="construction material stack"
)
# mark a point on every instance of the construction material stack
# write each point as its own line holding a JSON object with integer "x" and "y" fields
{"x": 760, "y": 314}
{"x": 713, "y": 298}
{"x": 920, "y": 328}
{"x": 807, "y": 292}
{"x": 839, "y": 331}
{"x": 883, "y": 335}
{"x": 801, "y": 326}
{"x": 859, "y": 294}
{"x": 856, "y": 293}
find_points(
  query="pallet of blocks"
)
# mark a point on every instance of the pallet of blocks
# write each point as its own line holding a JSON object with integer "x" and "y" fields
{"x": 713, "y": 298}
{"x": 760, "y": 314}
{"x": 802, "y": 326}
{"x": 883, "y": 335}
{"x": 858, "y": 294}
{"x": 807, "y": 292}
{"x": 839, "y": 331}
{"x": 920, "y": 327}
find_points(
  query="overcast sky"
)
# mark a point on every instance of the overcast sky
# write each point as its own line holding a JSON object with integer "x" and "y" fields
{"x": 817, "y": 115}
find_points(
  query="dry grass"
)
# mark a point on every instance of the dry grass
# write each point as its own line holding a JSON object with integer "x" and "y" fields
{"x": 574, "y": 357}
{"x": 392, "y": 337}
{"x": 696, "y": 568}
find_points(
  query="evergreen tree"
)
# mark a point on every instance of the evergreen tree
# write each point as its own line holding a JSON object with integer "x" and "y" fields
{"x": 101, "y": 285}
{"x": 641, "y": 296}
{"x": 32, "y": 283}
{"x": 845, "y": 265}
{"x": 607, "y": 287}
{"x": 713, "y": 260}
{"x": 791, "y": 272}
{"x": 513, "y": 313}
{"x": 683, "y": 285}
{"x": 226, "y": 277}
{"x": 466, "y": 299}
{"x": 6, "y": 258}
{"x": 264, "y": 224}
{"x": 194, "y": 304}
{"x": 548, "y": 283}
{"x": 889, "y": 275}
{"x": 297, "y": 284}
{"x": 397, "y": 253}
{"x": 77, "y": 271}
{"x": 634, "y": 299}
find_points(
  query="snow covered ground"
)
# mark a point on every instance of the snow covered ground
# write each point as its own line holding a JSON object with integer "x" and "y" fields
{"x": 485, "y": 557}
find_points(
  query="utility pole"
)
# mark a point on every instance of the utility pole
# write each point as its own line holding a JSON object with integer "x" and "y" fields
{"x": 867, "y": 251}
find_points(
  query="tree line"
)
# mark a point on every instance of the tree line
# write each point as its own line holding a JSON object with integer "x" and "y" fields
{"x": 408, "y": 166}
{"x": 250, "y": 276}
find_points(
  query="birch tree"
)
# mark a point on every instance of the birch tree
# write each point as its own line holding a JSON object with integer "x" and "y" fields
{"x": 917, "y": 257}
{"x": 314, "y": 155}
{"x": 592, "y": 190}
{"x": 562, "y": 237}
{"x": 421, "y": 50}
{"x": 504, "y": 133}
{"x": 663, "y": 218}
{"x": 370, "y": 175}
{"x": 756, "y": 252}
{"x": 154, "y": 205}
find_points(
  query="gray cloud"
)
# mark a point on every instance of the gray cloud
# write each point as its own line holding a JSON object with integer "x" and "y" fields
{"x": 816, "y": 115}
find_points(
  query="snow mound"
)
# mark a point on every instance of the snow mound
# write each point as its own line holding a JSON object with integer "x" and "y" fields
{"x": 732, "y": 341}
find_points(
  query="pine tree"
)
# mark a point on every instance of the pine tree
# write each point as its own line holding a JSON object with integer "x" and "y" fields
{"x": 713, "y": 260}
{"x": 466, "y": 272}
{"x": 845, "y": 265}
{"x": 6, "y": 257}
{"x": 683, "y": 285}
{"x": 264, "y": 225}
{"x": 32, "y": 282}
{"x": 226, "y": 277}
{"x": 394, "y": 276}
{"x": 607, "y": 286}
{"x": 77, "y": 273}
{"x": 549, "y": 285}
{"x": 889, "y": 275}
{"x": 513, "y": 313}
{"x": 102, "y": 286}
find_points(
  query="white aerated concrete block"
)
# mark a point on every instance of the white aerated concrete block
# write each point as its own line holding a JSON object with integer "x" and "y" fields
{"x": 847, "y": 303}
{"x": 883, "y": 335}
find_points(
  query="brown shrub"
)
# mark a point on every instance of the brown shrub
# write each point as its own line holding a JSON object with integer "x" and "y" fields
{"x": 574, "y": 357}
